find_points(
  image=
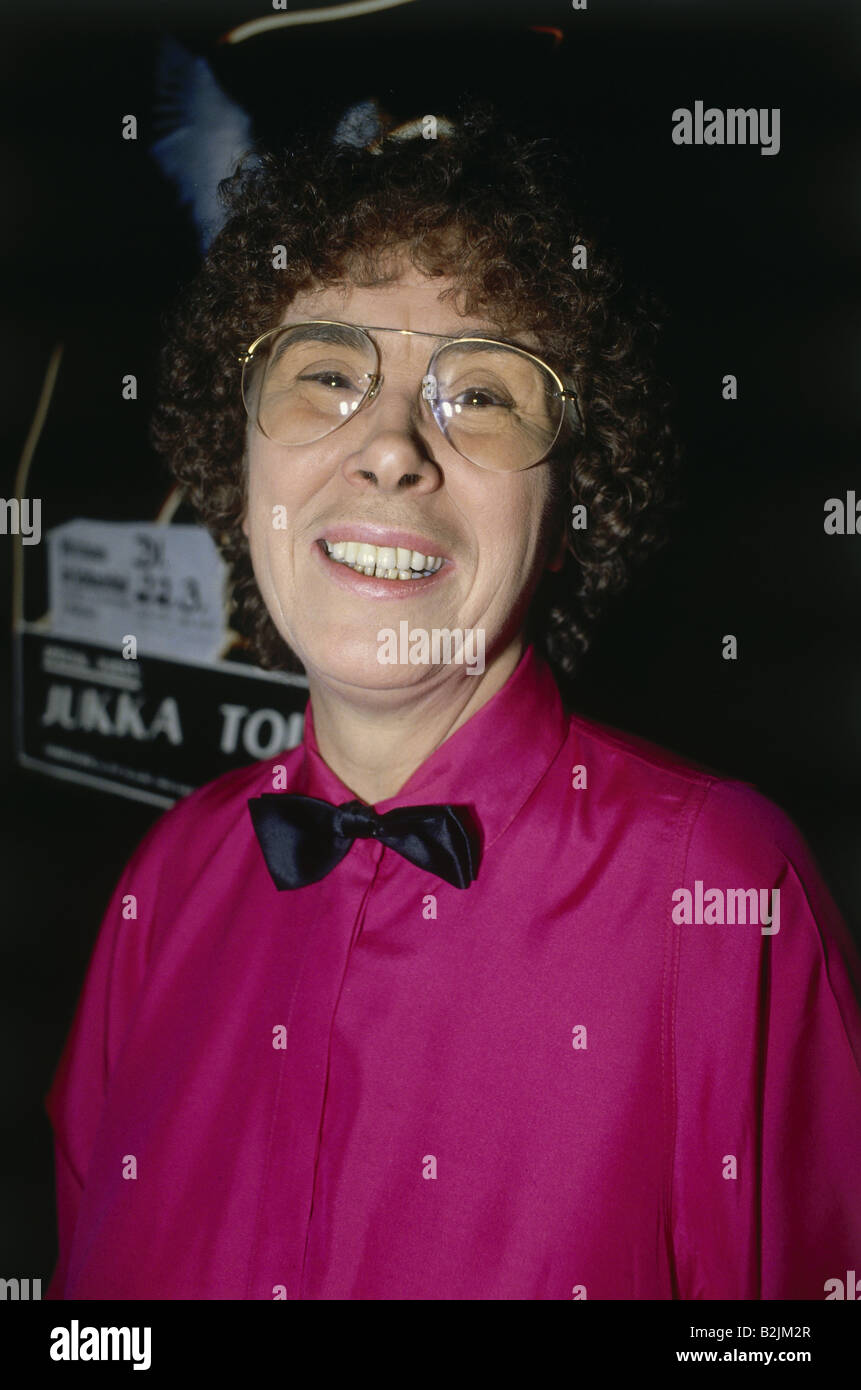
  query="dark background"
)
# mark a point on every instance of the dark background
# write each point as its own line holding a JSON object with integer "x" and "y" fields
{"x": 755, "y": 257}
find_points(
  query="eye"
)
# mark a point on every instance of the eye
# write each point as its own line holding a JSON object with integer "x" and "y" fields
{"x": 479, "y": 398}
{"x": 336, "y": 381}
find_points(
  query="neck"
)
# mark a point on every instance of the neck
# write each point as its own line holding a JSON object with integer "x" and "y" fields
{"x": 375, "y": 743}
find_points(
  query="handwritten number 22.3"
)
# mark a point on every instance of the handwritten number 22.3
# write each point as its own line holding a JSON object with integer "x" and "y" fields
{"x": 157, "y": 588}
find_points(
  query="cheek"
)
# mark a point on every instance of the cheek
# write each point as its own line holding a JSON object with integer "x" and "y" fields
{"x": 527, "y": 538}
{"x": 550, "y": 510}
{"x": 531, "y": 512}
{"x": 260, "y": 525}
{"x": 511, "y": 543}
{"x": 262, "y": 496}
{"x": 254, "y": 516}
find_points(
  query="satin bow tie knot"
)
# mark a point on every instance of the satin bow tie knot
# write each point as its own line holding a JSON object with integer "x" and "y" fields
{"x": 354, "y": 821}
{"x": 304, "y": 838}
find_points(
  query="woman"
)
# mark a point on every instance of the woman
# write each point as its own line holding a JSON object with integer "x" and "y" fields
{"x": 466, "y": 998}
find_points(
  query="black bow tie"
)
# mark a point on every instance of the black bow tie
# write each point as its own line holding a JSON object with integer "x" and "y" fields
{"x": 302, "y": 838}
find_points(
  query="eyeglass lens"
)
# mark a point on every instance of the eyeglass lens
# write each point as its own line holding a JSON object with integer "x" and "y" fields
{"x": 496, "y": 406}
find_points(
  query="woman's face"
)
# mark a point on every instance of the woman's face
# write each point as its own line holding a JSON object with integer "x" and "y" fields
{"x": 390, "y": 478}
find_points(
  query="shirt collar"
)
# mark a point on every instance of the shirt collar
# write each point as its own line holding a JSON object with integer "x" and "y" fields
{"x": 491, "y": 764}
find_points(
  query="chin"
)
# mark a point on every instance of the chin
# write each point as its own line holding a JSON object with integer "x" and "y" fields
{"x": 346, "y": 656}
{"x": 355, "y": 663}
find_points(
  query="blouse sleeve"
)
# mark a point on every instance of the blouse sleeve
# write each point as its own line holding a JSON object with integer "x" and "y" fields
{"x": 112, "y": 983}
{"x": 766, "y": 1062}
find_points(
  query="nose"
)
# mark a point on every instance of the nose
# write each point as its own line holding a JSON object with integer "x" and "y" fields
{"x": 392, "y": 453}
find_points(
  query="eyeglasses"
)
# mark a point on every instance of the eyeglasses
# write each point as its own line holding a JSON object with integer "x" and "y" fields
{"x": 499, "y": 406}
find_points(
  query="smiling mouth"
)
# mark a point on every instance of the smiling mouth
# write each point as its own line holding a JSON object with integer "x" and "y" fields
{"x": 382, "y": 561}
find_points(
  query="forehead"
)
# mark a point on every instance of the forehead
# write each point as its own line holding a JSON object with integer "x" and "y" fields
{"x": 411, "y": 300}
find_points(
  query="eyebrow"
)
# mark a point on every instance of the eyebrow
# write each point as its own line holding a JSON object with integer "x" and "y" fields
{"x": 334, "y": 332}
{"x": 323, "y": 332}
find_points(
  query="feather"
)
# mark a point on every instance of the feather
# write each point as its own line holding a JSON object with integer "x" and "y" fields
{"x": 360, "y": 124}
{"x": 202, "y": 135}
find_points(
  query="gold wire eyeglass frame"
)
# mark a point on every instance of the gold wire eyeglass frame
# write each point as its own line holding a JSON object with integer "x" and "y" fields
{"x": 565, "y": 394}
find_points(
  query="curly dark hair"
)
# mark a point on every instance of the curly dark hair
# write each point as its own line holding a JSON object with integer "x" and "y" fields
{"x": 497, "y": 213}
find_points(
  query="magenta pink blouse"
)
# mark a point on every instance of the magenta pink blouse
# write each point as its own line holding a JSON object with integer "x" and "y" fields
{"x": 606, "y": 1070}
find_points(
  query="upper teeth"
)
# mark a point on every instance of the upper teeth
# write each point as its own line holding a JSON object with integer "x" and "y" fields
{"x": 383, "y": 561}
